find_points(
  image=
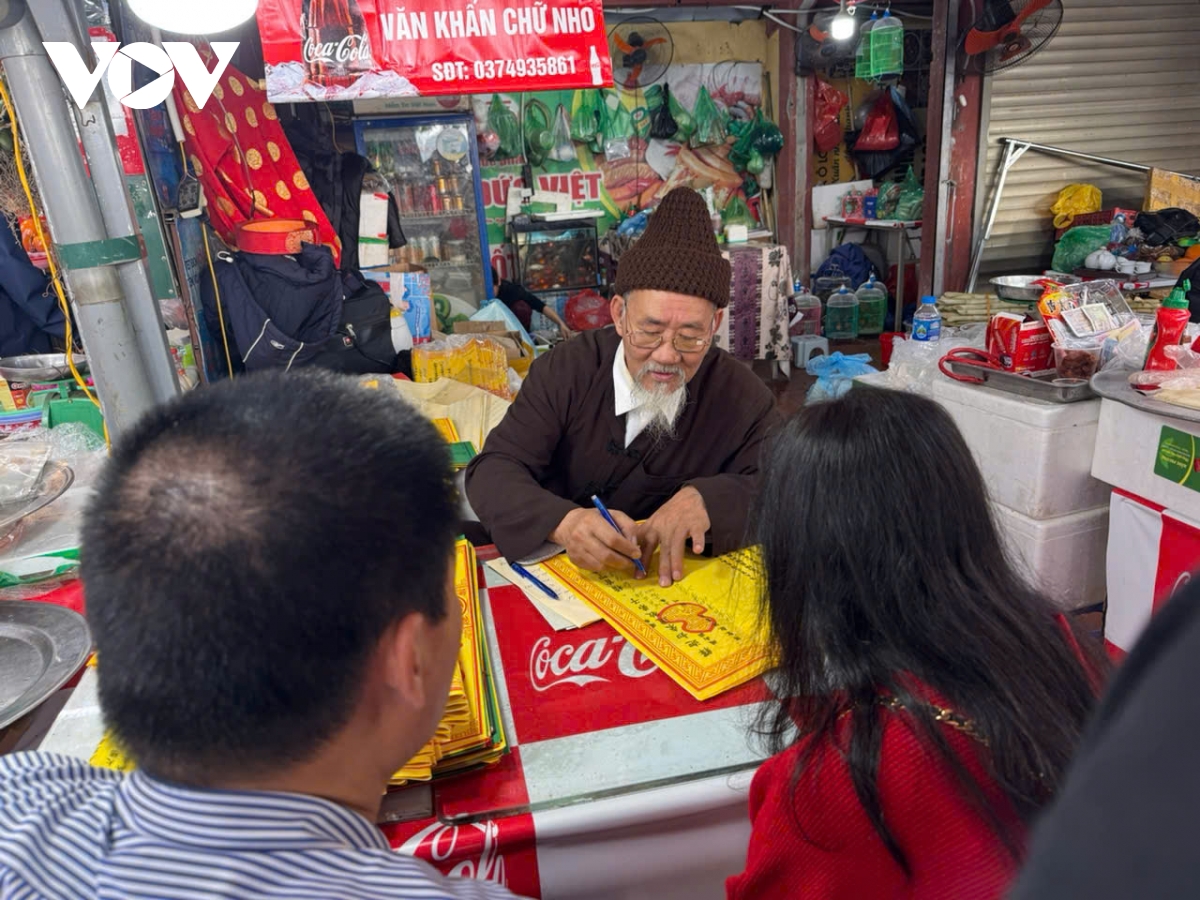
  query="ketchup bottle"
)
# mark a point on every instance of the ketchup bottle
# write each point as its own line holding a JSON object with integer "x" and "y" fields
{"x": 1169, "y": 325}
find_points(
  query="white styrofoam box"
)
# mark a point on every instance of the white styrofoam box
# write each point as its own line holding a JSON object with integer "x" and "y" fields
{"x": 1127, "y": 449}
{"x": 1064, "y": 557}
{"x": 1035, "y": 456}
{"x": 1134, "y": 539}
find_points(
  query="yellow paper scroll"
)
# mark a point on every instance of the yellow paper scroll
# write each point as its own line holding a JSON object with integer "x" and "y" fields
{"x": 705, "y": 631}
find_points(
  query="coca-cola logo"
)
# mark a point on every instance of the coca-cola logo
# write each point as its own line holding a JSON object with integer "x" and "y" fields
{"x": 438, "y": 844}
{"x": 351, "y": 48}
{"x": 568, "y": 664}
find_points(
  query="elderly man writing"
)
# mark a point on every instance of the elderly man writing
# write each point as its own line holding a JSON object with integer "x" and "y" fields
{"x": 649, "y": 416}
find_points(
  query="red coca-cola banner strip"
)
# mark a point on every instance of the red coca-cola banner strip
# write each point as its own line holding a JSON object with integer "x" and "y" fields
{"x": 361, "y": 49}
{"x": 562, "y": 683}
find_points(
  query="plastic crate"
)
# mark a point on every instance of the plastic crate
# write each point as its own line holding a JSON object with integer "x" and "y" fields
{"x": 1104, "y": 217}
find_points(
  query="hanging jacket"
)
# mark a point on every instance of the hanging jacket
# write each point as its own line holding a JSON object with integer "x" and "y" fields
{"x": 29, "y": 313}
{"x": 337, "y": 180}
{"x": 281, "y": 309}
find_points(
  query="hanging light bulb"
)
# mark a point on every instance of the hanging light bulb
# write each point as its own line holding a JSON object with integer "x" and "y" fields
{"x": 842, "y": 26}
{"x": 193, "y": 16}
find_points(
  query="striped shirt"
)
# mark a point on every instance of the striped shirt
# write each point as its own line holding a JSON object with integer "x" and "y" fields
{"x": 68, "y": 830}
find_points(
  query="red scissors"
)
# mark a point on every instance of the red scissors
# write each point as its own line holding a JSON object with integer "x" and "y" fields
{"x": 970, "y": 356}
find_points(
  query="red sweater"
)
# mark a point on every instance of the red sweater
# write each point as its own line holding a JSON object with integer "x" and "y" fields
{"x": 817, "y": 842}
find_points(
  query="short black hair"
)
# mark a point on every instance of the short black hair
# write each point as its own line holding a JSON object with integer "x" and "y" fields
{"x": 247, "y": 547}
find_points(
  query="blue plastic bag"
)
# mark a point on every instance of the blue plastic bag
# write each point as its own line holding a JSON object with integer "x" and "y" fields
{"x": 835, "y": 375}
{"x": 495, "y": 311}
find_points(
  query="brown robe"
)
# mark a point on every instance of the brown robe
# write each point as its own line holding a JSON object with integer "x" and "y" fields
{"x": 562, "y": 441}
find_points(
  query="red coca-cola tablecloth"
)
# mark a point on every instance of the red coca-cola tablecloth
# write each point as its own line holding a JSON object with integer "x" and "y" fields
{"x": 564, "y": 693}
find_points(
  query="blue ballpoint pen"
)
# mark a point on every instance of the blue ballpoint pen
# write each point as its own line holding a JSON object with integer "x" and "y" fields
{"x": 599, "y": 504}
{"x": 525, "y": 573}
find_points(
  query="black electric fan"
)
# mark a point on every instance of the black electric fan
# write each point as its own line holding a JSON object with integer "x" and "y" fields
{"x": 641, "y": 50}
{"x": 1008, "y": 32}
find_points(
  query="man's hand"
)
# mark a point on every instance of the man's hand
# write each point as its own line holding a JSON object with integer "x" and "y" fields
{"x": 683, "y": 516}
{"x": 592, "y": 544}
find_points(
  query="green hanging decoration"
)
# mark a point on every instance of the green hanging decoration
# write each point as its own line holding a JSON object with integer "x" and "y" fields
{"x": 586, "y": 115}
{"x": 538, "y": 136}
{"x": 504, "y": 123}
{"x": 710, "y": 121}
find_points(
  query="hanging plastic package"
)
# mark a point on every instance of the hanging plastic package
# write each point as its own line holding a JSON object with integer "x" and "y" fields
{"x": 756, "y": 139}
{"x": 835, "y": 375}
{"x": 736, "y": 212}
{"x": 603, "y": 122}
{"x": 562, "y": 149}
{"x": 755, "y": 164}
{"x": 881, "y": 131}
{"x": 683, "y": 119}
{"x": 502, "y": 121}
{"x": 585, "y": 115}
{"x": 538, "y": 139}
{"x": 887, "y": 46}
{"x": 827, "y": 129}
{"x": 663, "y": 126}
{"x": 619, "y": 133}
{"x": 911, "y": 204}
{"x": 862, "y": 56}
{"x": 710, "y": 121}
{"x": 768, "y": 139}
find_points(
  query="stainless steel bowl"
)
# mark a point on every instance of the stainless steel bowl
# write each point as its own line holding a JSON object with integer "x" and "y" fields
{"x": 1022, "y": 289}
{"x": 40, "y": 367}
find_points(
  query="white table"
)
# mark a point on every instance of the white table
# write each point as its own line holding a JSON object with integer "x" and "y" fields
{"x": 898, "y": 229}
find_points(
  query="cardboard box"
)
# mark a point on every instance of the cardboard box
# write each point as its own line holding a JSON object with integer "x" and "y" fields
{"x": 1022, "y": 344}
{"x": 509, "y": 340}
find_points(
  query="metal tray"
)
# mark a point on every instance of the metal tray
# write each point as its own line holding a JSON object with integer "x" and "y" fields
{"x": 41, "y": 647}
{"x": 40, "y": 367}
{"x": 1023, "y": 385}
{"x": 56, "y": 477}
{"x": 1114, "y": 385}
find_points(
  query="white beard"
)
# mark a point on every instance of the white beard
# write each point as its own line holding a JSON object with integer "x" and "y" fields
{"x": 663, "y": 405}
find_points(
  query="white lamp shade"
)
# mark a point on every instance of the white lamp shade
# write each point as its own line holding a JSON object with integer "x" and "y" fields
{"x": 193, "y": 16}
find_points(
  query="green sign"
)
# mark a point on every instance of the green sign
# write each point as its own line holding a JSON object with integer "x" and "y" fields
{"x": 1178, "y": 458}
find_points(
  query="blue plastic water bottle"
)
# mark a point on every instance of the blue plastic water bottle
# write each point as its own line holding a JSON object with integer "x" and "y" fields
{"x": 927, "y": 321}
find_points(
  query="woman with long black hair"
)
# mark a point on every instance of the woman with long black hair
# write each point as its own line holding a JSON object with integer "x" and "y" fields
{"x": 930, "y": 699}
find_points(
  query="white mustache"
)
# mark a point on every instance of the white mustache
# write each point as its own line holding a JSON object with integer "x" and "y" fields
{"x": 660, "y": 369}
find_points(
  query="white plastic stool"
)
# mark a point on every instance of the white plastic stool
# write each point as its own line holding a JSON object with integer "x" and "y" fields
{"x": 804, "y": 345}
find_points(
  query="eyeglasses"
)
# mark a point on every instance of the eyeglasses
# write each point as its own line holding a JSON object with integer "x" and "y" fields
{"x": 652, "y": 340}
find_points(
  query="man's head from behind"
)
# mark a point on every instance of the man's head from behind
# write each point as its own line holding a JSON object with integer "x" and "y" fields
{"x": 266, "y": 564}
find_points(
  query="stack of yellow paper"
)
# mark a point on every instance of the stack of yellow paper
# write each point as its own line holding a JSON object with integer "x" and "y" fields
{"x": 705, "y": 631}
{"x": 471, "y": 733}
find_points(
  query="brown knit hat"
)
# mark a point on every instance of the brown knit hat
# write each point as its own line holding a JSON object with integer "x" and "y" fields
{"x": 677, "y": 253}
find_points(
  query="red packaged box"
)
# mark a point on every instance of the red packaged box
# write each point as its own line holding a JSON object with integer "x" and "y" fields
{"x": 1022, "y": 344}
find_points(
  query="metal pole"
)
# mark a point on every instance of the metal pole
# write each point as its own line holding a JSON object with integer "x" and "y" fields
{"x": 1075, "y": 154}
{"x": 56, "y": 23}
{"x": 72, "y": 208}
{"x": 946, "y": 185}
{"x": 1011, "y": 155}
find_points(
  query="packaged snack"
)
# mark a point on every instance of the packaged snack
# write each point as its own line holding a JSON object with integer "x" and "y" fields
{"x": 1022, "y": 344}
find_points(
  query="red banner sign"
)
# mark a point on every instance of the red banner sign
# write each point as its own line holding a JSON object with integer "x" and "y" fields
{"x": 361, "y": 49}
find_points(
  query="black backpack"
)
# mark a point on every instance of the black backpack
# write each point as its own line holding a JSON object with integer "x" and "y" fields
{"x": 363, "y": 342}
{"x": 1166, "y": 225}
